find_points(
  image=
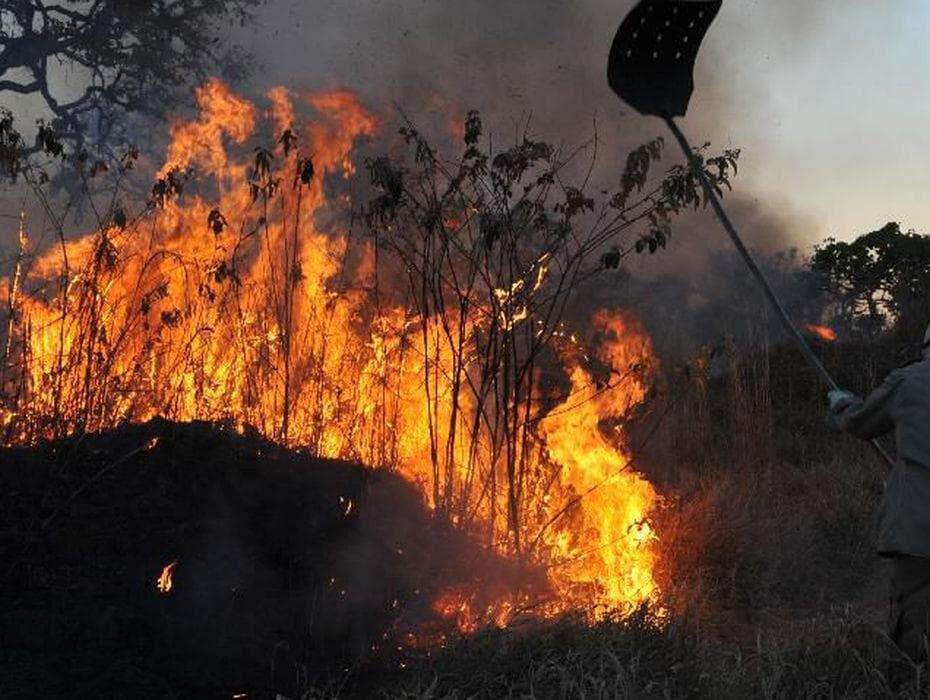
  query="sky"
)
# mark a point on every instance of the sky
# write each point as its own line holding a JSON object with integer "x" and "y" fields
{"x": 828, "y": 100}
{"x": 834, "y": 117}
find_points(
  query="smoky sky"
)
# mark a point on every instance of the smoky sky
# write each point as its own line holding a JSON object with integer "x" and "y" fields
{"x": 545, "y": 61}
{"x": 766, "y": 80}
{"x": 829, "y": 100}
{"x": 542, "y": 61}
{"x": 536, "y": 61}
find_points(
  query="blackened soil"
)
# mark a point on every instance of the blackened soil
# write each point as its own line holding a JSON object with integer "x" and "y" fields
{"x": 289, "y": 567}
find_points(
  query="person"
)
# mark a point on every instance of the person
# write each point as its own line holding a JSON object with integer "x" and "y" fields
{"x": 901, "y": 404}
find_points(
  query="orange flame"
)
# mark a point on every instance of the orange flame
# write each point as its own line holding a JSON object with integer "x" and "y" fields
{"x": 165, "y": 581}
{"x": 268, "y": 322}
{"x": 604, "y": 555}
{"x": 823, "y": 332}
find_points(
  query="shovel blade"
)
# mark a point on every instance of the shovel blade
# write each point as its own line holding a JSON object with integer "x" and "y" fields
{"x": 652, "y": 58}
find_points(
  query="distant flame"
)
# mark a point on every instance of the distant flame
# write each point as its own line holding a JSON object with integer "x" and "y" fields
{"x": 822, "y": 332}
{"x": 164, "y": 584}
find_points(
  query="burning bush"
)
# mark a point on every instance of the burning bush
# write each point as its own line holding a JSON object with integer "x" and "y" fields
{"x": 432, "y": 340}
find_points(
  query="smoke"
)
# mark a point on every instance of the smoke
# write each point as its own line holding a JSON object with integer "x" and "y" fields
{"x": 513, "y": 57}
{"x": 544, "y": 62}
{"x": 545, "y": 58}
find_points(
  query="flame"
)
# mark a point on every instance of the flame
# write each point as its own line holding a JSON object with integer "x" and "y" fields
{"x": 459, "y": 606}
{"x": 165, "y": 582}
{"x": 603, "y": 553}
{"x": 230, "y": 304}
{"x": 823, "y": 332}
{"x": 346, "y": 505}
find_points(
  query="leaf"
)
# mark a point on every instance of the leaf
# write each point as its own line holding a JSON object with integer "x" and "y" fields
{"x": 262, "y": 168}
{"x": 305, "y": 171}
{"x": 288, "y": 141}
{"x": 172, "y": 318}
{"x": 216, "y": 221}
{"x": 48, "y": 142}
{"x": 636, "y": 172}
{"x": 575, "y": 202}
{"x": 168, "y": 187}
{"x": 472, "y": 128}
{"x": 611, "y": 259}
{"x": 10, "y": 144}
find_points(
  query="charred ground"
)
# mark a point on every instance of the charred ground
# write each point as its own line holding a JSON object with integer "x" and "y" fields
{"x": 289, "y": 568}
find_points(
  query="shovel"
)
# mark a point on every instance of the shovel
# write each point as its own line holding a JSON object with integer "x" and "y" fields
{"x": 651, "y": 68}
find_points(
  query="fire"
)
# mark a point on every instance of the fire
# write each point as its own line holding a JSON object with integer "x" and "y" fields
{"x": 459, "y": 607}
{"x": 249, "y": 300}
{"x": 165, "y": 581}
{"x": 823, "y": 332}
{"x": 604, "y": 555}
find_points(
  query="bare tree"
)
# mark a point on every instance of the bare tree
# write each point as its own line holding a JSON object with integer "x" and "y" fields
{"x": 126, "y": 56}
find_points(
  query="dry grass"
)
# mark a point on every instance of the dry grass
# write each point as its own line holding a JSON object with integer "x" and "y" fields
{"x": 768, "y": 566}
{"x": 835, "y": 655}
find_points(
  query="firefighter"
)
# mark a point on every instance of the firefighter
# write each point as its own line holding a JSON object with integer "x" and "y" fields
{"x": 901, "y": 404}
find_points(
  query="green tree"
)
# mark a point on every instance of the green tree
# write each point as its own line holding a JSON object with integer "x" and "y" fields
{"x": 880, "y": 281}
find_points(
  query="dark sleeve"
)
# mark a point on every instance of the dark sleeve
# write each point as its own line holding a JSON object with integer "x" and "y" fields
{"x": 872, "y": 417}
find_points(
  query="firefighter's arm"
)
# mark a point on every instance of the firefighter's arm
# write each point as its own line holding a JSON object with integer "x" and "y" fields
{"x": 870, "y": 418}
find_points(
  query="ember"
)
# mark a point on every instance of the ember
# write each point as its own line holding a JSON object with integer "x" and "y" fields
{"x": 165, "y": 582}
{"x": 823, "y": 332}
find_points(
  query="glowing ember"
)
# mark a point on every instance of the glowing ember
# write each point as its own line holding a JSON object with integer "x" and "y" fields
{"x": 346, "y": 505}
{"x": 823, "y": 332}
{"x": 165, "y": 582}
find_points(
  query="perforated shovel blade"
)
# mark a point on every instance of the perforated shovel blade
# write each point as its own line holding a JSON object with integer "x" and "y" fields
{"x": 652, "y": 57}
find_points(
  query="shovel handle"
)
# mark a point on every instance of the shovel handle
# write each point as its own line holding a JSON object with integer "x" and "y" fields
{"x": 728, "y": 226}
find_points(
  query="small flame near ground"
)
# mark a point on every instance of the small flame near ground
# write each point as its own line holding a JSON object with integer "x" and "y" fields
{"x": 823, "y": 332}
{"x": 165, "y": 582}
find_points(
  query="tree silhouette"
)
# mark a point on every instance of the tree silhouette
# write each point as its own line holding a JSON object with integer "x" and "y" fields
{"x": 880, "y": 280}
{"x": 126, "y": 55}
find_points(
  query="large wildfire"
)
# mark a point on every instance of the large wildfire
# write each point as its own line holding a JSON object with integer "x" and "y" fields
{"x": 248, "y": 293}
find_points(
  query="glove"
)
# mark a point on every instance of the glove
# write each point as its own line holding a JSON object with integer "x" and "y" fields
{"x": 840, "y": 399}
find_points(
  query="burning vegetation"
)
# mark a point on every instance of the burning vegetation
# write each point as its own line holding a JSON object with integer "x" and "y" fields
{"x": 422, "y": 330}
{"x": 176, "y": 382}
{"x": 367, "y": 403}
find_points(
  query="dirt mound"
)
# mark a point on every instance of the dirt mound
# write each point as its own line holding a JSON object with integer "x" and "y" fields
{"x": 287, "y": 565}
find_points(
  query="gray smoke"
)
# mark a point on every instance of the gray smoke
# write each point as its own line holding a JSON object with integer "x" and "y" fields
{"x": 545, "y": 61}
{"x": 541, "y": 62}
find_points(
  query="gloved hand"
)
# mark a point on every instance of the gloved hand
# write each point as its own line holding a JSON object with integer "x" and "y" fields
{"x": 840, "y": 399}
